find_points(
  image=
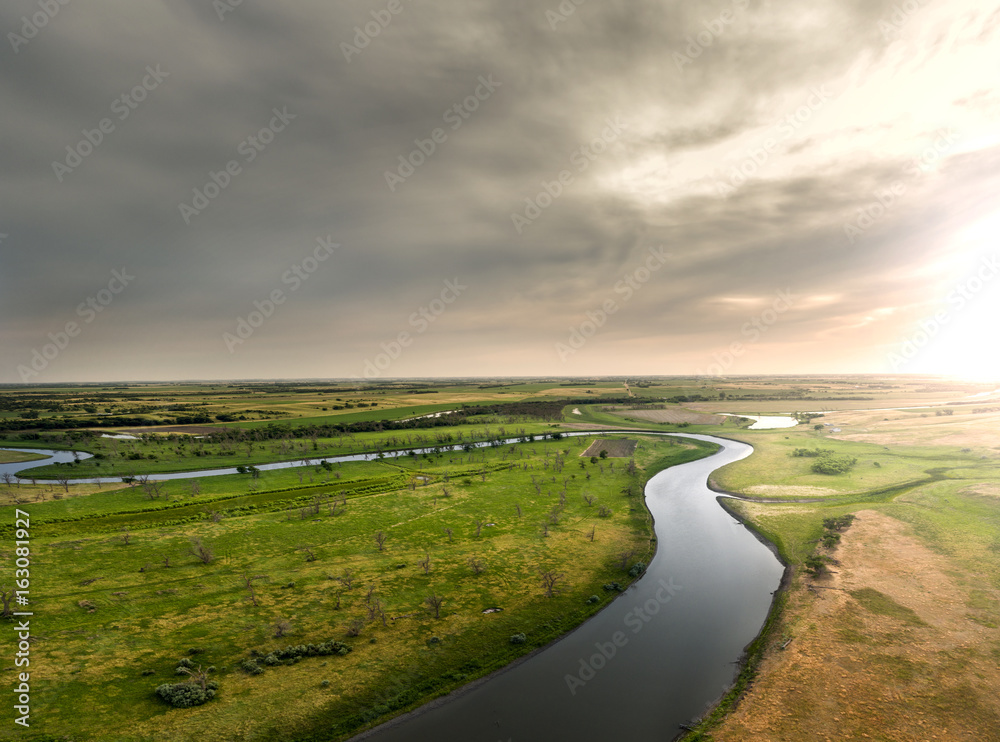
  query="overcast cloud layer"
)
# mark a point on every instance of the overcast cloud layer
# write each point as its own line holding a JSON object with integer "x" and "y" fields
{"x": 809, "y": 183}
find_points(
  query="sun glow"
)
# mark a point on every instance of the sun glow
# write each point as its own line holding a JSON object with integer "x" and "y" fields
{"x": 962, "y": 340}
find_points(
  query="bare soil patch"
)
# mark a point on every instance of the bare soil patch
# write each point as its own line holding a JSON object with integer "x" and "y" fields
{"x": 618, "y": 449}
{"x": 889, "y": 653}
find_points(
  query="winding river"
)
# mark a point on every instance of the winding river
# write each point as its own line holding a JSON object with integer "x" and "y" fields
{"x": 656, "y": 658}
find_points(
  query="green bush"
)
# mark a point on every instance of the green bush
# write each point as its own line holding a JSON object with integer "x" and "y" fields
{"x": 831, "y": 464}
{"x": 518, "y": 639}
{"x": 811, "y": 452}
{"x": 637, "y": 569}
{"x": 186, "y": 695}
{"x": 250, "y": 667}
{"x": 612, "y": 587}
{"x": 593, "y": 599}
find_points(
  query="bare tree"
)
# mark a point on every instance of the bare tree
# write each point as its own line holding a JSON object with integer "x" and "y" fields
{"x": 248, "y": 584}
{"x": 434, "y": 602}
{"x": 64, "y": 481}
{"x": 195, "y": 486}
{"x": 197, "y": 675}
{"x": 369, "y": 595}
{"x": 126, "y": 537}
{"x": 448, "y": 533}
{"x": 337, "y": 594}
{"x": 545, "y": 528}
{"x": 549, "y": 582}
{"x": 425, "y": 563}
{"x": 376, "y": 611}
{"x": 591, "y": 534}
{"x": 622, "y": 559}
{"x": 201, "y": 551}
{"x": 281, "y": 628}
{"x": 152, "y": 488}
{"x": 604, "y": 511}
{"x": 354, "y": 627}
{"x": 380, "y": 540}
{"x": 346, "y": 579}
{"x": 478, "y": 566}
{"x": 6, "y": 596}
{"x": 479, "y": 526}
{"x": 589, "y": 499}
{"x": 518, "y": 509}
{"x": 8, "y": 479}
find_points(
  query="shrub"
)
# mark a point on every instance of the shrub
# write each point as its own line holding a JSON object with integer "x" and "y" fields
{"x": 613, "y": 587}
{"x": 185, "y": 662}
{"x": 185, "y": 695}
{"x": 250, "y": 667}
{"x": 816, "y": 565}
{"x": 838, "y": 524}
{"x": 637, "y": 569}
{"x": 593, "y": 599}
{"x": 830, "y": 464}
{"x": 812, "y": 452}
{"x": 518, "y": 639}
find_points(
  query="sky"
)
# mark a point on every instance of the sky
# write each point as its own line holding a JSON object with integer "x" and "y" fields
{"x": 387, "y": 188}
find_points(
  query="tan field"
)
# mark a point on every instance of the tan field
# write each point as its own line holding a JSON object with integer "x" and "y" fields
{"x": 888, "y": 648}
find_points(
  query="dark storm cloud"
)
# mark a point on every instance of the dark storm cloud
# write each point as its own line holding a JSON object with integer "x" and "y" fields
{"x": 314, "y": 114}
